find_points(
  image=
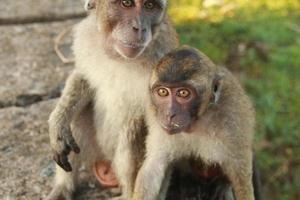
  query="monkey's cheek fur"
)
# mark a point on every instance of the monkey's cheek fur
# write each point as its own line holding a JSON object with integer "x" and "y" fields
{"x": 129, "y": 50}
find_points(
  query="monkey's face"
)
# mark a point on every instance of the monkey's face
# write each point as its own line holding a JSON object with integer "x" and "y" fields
{"x": 176, "y": 106}
{"x": 129, "y": 25}
{"x": 183, "y": 84}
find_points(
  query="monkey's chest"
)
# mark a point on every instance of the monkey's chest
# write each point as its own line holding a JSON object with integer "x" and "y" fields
{"x": 119, "y": 100}
{"x": 206, "y": 148}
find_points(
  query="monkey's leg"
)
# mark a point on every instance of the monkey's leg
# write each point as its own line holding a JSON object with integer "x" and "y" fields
{"x": 64, "y": 183}
{"x": 150, "y": 177}
{"x": 124, "y": 166}
{"x": 239, "y": 173}
{"x": 129, "y": 153}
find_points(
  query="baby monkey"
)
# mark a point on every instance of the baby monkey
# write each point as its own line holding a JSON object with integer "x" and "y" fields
{"x": 200, "y": 111}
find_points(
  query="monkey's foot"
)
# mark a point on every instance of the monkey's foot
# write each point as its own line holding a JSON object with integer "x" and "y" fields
{"x": 60, "y": 192}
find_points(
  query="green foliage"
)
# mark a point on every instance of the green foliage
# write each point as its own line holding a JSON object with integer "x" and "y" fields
{"x": 274, "y": 85}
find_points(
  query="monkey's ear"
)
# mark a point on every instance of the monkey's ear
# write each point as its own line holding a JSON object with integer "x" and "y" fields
{"x": 89, "y": 4}
{"x": 216, "y": 88}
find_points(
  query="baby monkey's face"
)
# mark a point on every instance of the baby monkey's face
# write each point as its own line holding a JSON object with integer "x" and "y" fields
{"x": 175, "y": 105}
{"x": 182, "y": 86}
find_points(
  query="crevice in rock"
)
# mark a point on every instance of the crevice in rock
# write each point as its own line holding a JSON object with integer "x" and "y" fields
{"x": 40, "y": 19}
{"x": 25, "y": 100}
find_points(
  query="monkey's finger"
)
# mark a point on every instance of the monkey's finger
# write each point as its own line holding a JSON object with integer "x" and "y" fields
{"x": 65, "y": 163}
{"x": 70, "y": 141}
{"x": 56, "y": 158}
{"x": 73, "y": 145}
{"x": 66, "y": 150}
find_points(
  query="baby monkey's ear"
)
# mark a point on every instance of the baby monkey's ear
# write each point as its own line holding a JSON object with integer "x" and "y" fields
{"x": 216, "y": 88}
{"x": 89, "y": 4}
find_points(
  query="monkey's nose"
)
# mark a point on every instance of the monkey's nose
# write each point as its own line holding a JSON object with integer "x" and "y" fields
{"x": 138, "y": 29}
{"x": 170, "y": 116}
{"x": 135, "y": 28}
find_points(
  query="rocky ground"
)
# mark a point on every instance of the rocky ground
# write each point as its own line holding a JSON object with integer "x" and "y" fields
{"x": 31, "y": 79}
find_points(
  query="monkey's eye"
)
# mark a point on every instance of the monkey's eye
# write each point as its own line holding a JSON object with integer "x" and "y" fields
{"x": 127, "y": 3}
{"x": 149, "y": 5}
{"x": 183, "y": 93}
{"x": 162, "y": 92}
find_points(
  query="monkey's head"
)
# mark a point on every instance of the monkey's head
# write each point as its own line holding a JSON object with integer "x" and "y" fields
{"x": 183, "y": 85}
{"x": 129, "y": 25}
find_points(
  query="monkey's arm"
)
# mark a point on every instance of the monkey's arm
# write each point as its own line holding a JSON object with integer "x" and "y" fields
{"x": 151, "y": 177}
{"x": 76, "y": 95}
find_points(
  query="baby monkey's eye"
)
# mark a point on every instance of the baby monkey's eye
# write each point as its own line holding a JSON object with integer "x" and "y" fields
{"x": 184, "y": 93}
{"x": 162, "y": 92}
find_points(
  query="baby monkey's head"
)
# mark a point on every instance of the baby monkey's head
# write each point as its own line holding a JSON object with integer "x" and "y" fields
{"x": 182, "y": 86}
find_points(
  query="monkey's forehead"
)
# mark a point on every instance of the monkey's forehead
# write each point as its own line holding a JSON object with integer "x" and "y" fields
{"x": 178, "y": 71}
{"x": 185, "y": 52}
{"x": 181, "y": 65}
{"x": 187, "y": 57}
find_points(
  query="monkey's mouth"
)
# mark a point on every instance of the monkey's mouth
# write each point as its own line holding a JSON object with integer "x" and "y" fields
{"x": 172, "y": 128}
{"x": 132, "y": 45}
{"x": 129, "y": 49}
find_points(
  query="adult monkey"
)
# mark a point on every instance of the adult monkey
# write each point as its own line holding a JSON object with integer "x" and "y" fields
{"x": 115, "y": 48}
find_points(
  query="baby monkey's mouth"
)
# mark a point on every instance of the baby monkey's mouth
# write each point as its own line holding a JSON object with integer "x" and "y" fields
{"x": 173, "y": 128}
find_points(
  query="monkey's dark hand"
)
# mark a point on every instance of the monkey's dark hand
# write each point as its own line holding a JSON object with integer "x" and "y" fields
{"x": 62, "y": 147}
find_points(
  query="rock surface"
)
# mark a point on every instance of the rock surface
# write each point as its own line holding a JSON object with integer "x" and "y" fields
{"x": 26, "y": 165}
{"x": 24, "y": 151}
{"x": 25, "y": 11}
{"x": 31, "y": 74}
{"x": 30, "y": 68}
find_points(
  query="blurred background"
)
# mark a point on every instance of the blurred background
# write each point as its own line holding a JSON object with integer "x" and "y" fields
{"x": 260, "y": 41}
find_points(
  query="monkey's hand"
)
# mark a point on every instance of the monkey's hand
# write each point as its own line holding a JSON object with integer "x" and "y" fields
{"x": 62, "y": 143}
